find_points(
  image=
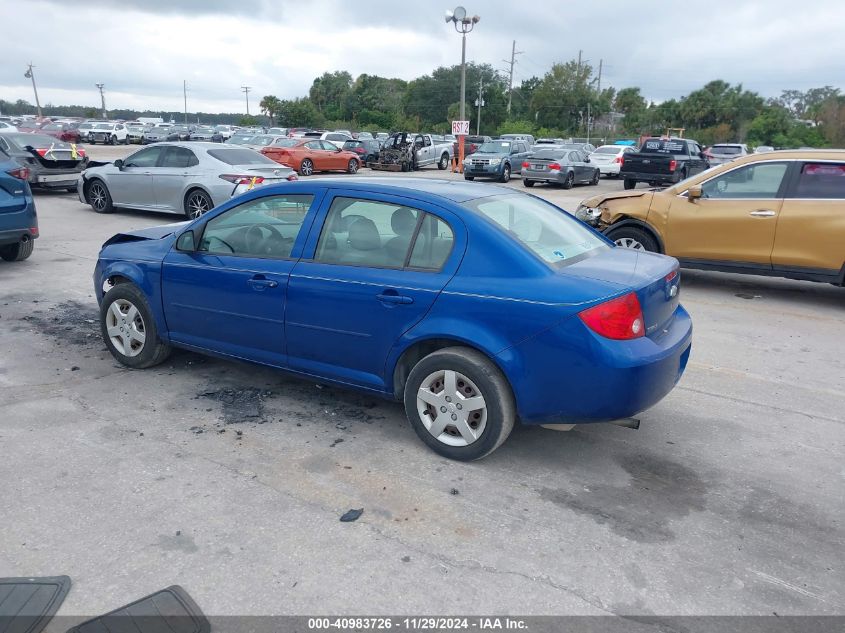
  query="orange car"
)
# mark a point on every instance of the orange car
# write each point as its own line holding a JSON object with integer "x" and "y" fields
{"x": 307, "y": 155}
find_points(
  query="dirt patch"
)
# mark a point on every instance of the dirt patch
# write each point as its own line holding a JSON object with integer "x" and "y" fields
{"x": 326, "y": 404}
{"x": 241, "y": 404}
{"x": 68, "y": 322}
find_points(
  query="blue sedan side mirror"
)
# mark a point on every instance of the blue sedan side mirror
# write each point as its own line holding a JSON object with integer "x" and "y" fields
{"x": 186, "y": 242}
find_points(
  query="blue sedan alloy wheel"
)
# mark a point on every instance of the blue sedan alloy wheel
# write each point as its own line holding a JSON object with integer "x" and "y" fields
{"x": 459, "y": 403}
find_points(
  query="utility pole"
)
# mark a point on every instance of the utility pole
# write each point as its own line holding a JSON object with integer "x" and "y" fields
{"x": 245, "y": 90}
{"x": 514, "y": 53}
{"x": 579, "y": 60}
{"x": 479, "y": 102}
{"x": 31, "y": 75}
{"x": 103, "y": 100}
{"x": 601, "y": 61}
{"x": 588, "y": 122}
{"x": 185, "y": 97}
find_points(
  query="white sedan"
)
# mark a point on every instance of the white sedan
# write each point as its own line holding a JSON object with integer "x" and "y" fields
{"x": 608, "y": 158}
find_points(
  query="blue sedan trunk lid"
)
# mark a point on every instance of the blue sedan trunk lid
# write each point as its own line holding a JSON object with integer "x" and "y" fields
{"x": 654, "y": 278}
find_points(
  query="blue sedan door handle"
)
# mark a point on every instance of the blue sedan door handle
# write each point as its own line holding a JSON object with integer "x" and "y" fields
{"x": 260, "y": 283}
{"x": 392, "y": 297}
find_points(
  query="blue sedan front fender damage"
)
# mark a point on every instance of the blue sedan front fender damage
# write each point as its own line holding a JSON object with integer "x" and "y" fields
{"x": 115, "y": 264}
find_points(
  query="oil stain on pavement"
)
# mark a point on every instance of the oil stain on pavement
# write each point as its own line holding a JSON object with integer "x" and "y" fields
{"x": 658, "y": 491}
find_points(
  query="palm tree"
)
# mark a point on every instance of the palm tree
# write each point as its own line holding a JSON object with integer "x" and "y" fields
{"x": 270, "y": 106}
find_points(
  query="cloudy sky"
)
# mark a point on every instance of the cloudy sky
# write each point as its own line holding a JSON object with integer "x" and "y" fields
{"x": 143, "y": 49}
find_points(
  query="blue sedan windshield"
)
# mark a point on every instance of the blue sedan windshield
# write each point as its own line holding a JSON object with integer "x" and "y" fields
{"x": 544, "y": 229}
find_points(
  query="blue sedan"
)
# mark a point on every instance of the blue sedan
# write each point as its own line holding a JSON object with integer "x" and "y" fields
{"x": 477, "y": 306}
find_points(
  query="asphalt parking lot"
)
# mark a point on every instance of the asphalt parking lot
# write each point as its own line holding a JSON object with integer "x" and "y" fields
{"x": 229, "y": 479}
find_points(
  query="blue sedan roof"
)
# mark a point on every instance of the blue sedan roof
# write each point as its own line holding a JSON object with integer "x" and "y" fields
{"x": 454, "y": 190}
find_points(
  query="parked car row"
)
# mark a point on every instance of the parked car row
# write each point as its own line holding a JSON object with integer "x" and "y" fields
{"x": 564, "y": 164}
{"x": 201, "y": 133}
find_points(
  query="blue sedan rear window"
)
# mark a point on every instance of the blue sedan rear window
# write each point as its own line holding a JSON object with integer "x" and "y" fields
{"x": 539, "y": 226}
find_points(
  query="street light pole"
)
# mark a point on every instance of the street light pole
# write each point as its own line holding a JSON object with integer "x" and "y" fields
{"x": 31, "y": 75}
{"x": 463, "y": 25}
{"x": 463, "y": 74}
{"x": 102, "y": 100}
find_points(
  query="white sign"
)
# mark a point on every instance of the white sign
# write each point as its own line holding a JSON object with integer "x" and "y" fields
{"x": 460, "y": 128}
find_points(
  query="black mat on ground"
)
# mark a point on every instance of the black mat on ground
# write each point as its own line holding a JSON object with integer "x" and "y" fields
{"x": 27, "y": 604}
{"x": 170, "y": 610}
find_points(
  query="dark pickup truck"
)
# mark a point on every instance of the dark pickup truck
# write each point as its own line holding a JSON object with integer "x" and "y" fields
{"x": 663, "y": 161}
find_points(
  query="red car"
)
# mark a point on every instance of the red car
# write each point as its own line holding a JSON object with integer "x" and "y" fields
{"x": 307, "y": 155}
{"x": 67, "y": 132}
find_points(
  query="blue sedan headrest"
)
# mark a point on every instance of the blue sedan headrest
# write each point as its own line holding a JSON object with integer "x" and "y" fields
{"x": 403, "y": 221}
{"x": 363, "y": 235}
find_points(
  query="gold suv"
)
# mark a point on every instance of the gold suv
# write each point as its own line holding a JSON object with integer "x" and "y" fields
{"x": 779, "y": 213}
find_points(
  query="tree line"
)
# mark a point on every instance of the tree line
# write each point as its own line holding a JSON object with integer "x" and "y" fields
{"x": 568, "y": 100}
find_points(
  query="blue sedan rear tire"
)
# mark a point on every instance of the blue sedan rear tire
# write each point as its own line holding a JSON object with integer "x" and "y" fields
{"x": 459, "y": 403}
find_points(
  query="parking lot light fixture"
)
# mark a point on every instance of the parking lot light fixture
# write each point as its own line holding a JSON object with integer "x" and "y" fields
{"x": 31, "y": 75}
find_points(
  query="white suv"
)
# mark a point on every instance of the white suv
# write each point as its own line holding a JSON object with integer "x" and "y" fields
{"x": 226, "y": 131}
{"x": 337, "y": 138}
{"x": 107, "y": 132}
{"x": 725, "y": 152}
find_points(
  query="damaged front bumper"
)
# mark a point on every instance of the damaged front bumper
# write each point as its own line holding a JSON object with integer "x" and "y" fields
{"x": 588, "y": 215}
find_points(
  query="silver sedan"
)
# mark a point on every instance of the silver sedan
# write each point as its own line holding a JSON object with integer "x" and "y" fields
{"x": 184, "y": 178}
{"x": 565, "y": 167}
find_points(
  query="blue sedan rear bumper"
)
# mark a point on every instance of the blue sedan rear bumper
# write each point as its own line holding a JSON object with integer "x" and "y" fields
{"x": 570, "y": 375}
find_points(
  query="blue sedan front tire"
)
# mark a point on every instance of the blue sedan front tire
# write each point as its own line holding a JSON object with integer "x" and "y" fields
{"x": 129, "y": 330}
{"x": 459, "y": 403}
